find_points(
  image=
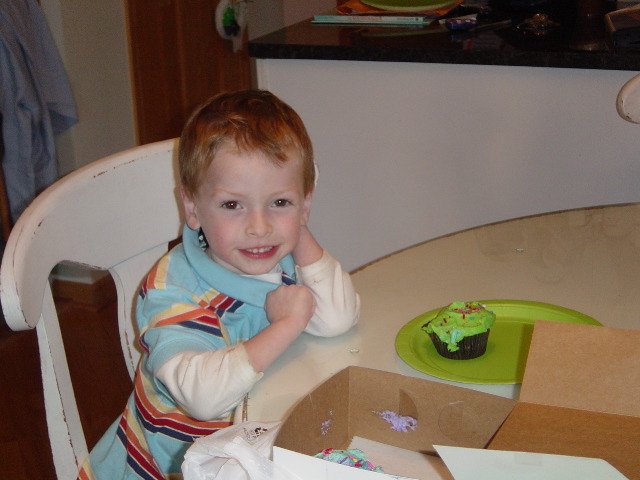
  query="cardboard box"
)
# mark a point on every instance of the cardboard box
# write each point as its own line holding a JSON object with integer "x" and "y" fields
{"x": 579, "y": 397}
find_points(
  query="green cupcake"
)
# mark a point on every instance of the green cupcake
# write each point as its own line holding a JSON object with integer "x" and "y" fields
{"x": 461, "y": 330}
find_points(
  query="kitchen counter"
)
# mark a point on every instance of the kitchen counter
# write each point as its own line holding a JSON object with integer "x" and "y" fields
{"x": 577, "y": 41}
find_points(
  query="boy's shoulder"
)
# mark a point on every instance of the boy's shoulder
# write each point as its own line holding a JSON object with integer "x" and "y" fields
{"x": 174, "y": 268}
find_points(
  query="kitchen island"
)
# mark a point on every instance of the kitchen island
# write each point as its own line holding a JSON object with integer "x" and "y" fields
{"x": 419, "y": 132}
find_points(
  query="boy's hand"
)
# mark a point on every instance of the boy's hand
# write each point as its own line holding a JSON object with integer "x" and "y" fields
{"x": 289, "y": 309}
{"x": 290, "y": 303}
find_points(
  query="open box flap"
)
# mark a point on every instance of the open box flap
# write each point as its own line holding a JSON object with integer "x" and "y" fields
{"x": 567, "y": 431}
{"x": 579, "y": 396}
{"x": 584, "y": 367}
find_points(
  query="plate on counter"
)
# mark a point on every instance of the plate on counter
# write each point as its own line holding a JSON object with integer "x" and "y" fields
{"x": 507, "y": 348}
{"x": 408, "y": 5}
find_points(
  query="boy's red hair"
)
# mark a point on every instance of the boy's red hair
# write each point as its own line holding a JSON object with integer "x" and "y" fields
{"x": 253, "y": 120}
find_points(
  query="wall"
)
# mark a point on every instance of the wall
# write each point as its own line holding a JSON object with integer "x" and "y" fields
{"x": 296, "y": 10}
{"x": 266, "y": 16}
{"x": 92, "y": 40}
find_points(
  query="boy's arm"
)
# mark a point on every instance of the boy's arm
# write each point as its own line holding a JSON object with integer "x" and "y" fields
{"x": 199, "y": 371}
{"x": 337, "y": 303}
{"x": 308, "y": 250}
{"x": 289, "y": 309}
{"x": 209, "y": 384}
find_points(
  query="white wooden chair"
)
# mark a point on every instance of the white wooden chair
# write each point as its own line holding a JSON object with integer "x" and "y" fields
{"x": 116, "y": 214}
{"x": 628, "y": 100}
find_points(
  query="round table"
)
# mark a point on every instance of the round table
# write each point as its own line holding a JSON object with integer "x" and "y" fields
{"x": 586, "y": 260}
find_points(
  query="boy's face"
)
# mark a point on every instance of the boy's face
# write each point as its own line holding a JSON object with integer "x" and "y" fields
{"x": 250, "y": 210}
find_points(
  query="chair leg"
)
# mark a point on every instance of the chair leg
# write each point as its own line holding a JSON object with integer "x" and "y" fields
{"x": 63, "y": 420}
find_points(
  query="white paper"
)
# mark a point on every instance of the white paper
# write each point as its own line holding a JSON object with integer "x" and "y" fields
{"x": 311, "y": 468}
{"x": 479, "y": 464}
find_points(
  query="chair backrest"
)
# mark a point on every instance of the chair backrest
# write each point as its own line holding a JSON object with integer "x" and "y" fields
{"x": 628, "y": 100}
{"x": 116, "y": 214}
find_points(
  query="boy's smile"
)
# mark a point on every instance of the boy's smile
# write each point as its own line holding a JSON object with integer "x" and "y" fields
{"x": 260, "y": 253}
{"x": 250, "y": 209}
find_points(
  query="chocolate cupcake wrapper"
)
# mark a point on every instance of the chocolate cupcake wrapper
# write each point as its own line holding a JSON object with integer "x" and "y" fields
{"x": 469, "y": 347}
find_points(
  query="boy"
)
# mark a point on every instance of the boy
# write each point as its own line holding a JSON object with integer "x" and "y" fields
{"x": 248, "y": 278}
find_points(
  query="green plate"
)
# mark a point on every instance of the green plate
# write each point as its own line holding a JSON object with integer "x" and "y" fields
{"x": 507, "y": 349}
{"x": 408, "y": 5}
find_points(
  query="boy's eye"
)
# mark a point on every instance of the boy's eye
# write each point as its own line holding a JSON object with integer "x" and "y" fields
{"x": 281, "y": 202}
{"x": 230, "y": 205}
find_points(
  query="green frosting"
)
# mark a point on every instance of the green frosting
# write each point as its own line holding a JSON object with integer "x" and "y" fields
{"x": 460, "y": 320}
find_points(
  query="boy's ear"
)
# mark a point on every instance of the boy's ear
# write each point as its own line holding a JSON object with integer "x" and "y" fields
{"x": 306, "y": 208}
{"x": 190, "y": 213}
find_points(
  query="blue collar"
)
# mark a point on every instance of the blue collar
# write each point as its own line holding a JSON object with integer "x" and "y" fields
{"x": 246, "y": 289}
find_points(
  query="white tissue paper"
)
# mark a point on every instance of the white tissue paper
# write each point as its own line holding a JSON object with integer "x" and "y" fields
{"x": 240, "y": 452}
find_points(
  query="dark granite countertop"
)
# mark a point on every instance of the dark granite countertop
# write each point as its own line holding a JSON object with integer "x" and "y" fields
{"x": 576, "y": 40}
